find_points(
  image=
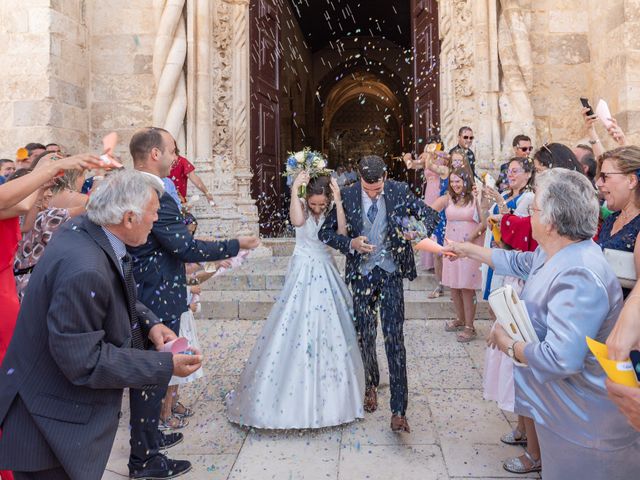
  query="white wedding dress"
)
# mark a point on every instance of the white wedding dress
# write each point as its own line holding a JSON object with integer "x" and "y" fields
{"x": 305, "y": 370}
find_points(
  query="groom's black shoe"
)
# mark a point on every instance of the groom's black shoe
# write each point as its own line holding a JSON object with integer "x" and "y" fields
{"x": 371, "y": 400}
{"x": 159, "y": 468}
{"x": 399, "y": 424}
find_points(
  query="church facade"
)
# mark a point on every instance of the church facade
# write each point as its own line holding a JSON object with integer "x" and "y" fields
{"x": 239, "y": 83}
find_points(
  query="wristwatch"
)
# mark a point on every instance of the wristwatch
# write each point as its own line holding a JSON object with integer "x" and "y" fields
{"x": 593, "y": 142}
{"x": 511, "y": 352}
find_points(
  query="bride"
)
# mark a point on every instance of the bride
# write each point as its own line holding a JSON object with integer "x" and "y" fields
{"x": 305, "y": 370}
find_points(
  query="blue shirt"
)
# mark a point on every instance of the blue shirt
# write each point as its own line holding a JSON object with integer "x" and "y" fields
{"x": 119, "y": 248}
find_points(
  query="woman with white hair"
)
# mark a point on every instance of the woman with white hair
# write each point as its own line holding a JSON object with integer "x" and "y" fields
{"x": 570, "y": 293}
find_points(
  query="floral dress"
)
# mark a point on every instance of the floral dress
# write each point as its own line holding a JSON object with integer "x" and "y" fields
{"x": 33, "y": 244}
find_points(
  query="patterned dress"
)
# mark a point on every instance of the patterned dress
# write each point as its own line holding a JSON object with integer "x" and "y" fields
{"x": 33, "y": 244}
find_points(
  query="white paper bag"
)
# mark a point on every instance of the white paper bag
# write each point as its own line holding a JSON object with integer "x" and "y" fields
{"x": 603, "y": 113}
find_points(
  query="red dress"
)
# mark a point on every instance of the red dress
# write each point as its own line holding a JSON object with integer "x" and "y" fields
{"x": 179, "y": 174}
{"x": 9, "y": 306}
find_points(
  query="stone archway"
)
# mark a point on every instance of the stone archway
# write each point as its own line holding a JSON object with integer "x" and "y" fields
{"x": 361, "y": 115}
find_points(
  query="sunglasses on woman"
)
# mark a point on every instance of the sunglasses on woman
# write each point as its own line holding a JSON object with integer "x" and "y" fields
{"x": 605, "y": 175}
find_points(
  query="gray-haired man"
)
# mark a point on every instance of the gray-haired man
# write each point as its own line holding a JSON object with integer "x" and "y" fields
{"x": 79, "y": 341}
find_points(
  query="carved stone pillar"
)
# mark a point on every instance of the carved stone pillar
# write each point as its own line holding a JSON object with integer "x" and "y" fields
{"x": 235, "y": 211}
{"x": 169, "y": 55}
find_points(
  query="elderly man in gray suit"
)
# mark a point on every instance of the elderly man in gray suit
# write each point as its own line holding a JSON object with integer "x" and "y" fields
{"x": 79, "y": 341}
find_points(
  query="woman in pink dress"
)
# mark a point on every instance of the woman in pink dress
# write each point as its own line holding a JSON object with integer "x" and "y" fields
{"x": 431, "y": 193}
{"x": 462, "y": 276}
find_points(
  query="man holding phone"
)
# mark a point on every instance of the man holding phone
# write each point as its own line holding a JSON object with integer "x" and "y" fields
{"x": 379, "y": 257}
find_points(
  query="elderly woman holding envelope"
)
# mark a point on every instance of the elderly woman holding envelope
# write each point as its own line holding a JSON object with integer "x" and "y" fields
{"x": 570, "y": 293}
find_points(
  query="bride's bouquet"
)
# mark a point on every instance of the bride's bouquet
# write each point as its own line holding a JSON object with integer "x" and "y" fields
{"x": 311, "y": 161}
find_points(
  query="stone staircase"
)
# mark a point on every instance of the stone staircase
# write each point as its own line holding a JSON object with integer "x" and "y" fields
{"x": 249, "y": 292}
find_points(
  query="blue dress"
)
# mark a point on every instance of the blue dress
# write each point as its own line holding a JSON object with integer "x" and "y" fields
{"x": 624, "y": 239}
{"x": 442, "y": 224}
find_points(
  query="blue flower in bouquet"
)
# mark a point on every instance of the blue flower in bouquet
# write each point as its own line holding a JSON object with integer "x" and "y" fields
{"x": 311, "y": 161}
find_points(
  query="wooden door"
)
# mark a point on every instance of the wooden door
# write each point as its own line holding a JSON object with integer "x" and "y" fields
{"x": 426, "y": 69}
{"x": 267, "y": 184}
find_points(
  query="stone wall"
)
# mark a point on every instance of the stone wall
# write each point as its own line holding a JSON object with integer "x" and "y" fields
{"x": 520, "y": 66}
{"x": 26, "y": 107}
{"x": 121, "y": 38}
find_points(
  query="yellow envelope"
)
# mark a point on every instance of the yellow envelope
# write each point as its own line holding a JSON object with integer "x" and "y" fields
{"x": 618, "y": 372}
{"x": 495, "y": 228}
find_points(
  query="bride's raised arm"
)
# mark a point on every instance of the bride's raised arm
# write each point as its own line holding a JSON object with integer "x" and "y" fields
{"x": 337, "y": 198}
{"x": 296, "y": 211}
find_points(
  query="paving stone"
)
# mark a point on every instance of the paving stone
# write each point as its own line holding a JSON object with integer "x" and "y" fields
{"x": 385, "y": 462}
{"x": 375, "y": 428}
{"x": 288, "y": 456}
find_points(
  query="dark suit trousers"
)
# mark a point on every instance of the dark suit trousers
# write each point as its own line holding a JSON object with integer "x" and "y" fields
{"x": 53, "y": 474}
{"x": 383, "y": 291}
{"x": 145, "y": 414}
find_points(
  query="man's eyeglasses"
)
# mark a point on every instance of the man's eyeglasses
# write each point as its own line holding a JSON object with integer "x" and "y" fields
{"x": 514, "y": 171}
{"x": 532, "y": 209}
{"x": 525, "y": 149}
{"x": 604, "y": 175}
{"x": 468, "y": 137}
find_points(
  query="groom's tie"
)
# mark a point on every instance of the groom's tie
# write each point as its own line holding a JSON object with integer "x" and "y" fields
{"x": 373, "y": 211}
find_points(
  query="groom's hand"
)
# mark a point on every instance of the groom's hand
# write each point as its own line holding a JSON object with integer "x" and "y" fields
{"x": 360, "y": 245}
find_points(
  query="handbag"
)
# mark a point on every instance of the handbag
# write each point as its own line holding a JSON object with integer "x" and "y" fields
{"x": 623, "y": 265}
{"x": 511, "y": 313}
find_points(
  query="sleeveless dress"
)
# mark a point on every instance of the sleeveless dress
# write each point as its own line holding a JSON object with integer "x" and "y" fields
{"x": 624, "y": 239}
{"x": 462, "y": 273}
{"x": 431, "y": 193}
{"x": 9, "y": 305}
{"x": 305, "y": 370}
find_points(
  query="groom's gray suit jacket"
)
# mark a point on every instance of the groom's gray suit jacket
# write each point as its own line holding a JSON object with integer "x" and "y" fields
{"x": 399, "y": 203}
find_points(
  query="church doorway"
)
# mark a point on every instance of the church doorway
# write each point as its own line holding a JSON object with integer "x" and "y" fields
{"x": 340, "y": 77}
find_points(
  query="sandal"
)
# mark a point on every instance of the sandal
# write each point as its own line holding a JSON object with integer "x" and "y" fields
{"x": 516, "y": 437}
{"x": 172, "y": 423}
{"x": 467, "y": 334}
{"x": 185, "y": 413}
{"x": 516, "y": 464}
{"x": 437, "y": 292}
{"x": 454, "y": 326}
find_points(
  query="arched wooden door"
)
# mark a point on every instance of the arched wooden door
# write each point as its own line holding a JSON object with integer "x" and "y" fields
{"x": 267, "y": 184}
{"x": 426, "y": 67}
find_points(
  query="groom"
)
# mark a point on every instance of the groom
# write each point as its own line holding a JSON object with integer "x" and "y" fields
{"x": 379, "y": 257}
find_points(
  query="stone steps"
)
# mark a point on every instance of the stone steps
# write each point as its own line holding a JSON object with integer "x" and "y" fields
{"x": 256, "y": 305}
{"x": 249, "y": 292}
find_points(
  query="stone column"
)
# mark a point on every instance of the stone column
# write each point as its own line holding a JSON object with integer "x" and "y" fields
{"x": 226, "y": 169}
{"x": 169, "y": 55}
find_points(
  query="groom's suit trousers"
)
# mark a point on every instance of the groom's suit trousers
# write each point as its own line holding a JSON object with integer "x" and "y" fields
{"x": 384, "y": 291}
